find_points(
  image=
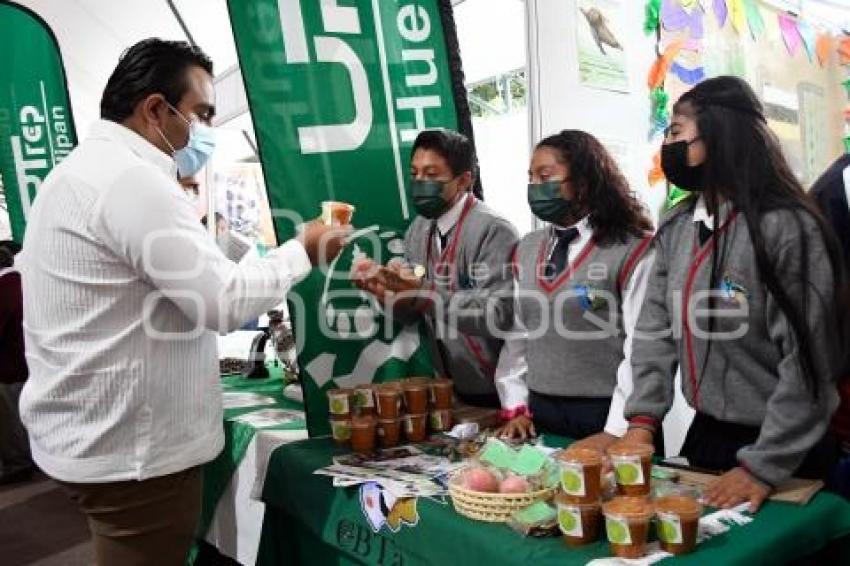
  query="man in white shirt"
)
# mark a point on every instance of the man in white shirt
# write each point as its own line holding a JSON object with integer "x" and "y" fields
{"x": 125, "y": 292}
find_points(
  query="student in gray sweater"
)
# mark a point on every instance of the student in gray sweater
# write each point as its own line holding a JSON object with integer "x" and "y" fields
{"x": 743, "y": 300}
{"x": 580, "y": 283}
{"x": 457, "y": 275}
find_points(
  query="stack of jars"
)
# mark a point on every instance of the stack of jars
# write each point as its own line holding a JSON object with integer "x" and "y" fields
{"x": 371, "y": 415}
{"x": 627, "y": 515}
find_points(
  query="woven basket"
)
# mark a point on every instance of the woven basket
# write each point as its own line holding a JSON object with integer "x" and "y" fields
{"x": 492, "y": 507}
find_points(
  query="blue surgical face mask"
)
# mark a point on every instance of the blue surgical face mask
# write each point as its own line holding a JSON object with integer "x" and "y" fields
{"x": 199, "y": 148}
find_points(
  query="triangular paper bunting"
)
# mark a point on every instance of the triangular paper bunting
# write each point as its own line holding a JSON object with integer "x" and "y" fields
{"x": 737, "y": 14}
{"x": 662, "y": 65}
{"x": 720, "y": 12}
{"x": 844, "y": 51}
{"x": 824, "y": 49}
{"x": 790, "y": 33}
{"x": 754, "y": 18}
{"x": 810, "y": 39}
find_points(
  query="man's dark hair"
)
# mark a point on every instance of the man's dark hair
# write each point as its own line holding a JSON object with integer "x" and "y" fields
{"x": 150, "y": 66}
{"x": 6, "y": 258}
{"x": 452, "y": 146}
{"x": 8, "y": 249}
{"x": 11, "y": 246}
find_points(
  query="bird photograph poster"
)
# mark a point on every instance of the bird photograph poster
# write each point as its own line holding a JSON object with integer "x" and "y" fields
{"x": 601, "y": 54}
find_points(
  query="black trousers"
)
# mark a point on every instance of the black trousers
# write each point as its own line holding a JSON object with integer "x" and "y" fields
{"x": 573, "y": 417}
{"x": 713, "y": 444}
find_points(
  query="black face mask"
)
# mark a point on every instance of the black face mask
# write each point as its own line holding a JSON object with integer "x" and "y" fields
{"x": 674, "y": 162}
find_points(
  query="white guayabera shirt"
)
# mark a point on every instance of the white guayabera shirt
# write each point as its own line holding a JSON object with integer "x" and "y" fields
{"x": 124, "y": 292}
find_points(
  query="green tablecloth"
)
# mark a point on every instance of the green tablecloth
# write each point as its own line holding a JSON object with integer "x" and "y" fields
{"x": 238, "y": 436}
{"x": 310, "y": 522}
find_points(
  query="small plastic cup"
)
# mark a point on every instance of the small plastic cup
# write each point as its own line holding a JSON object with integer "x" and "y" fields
{"x": 416, "y": 397}
{"x": 340, "y": 402}
{"x": 389, "y": 400}
{"x": 579, "y": 522}
{"x": 389, "y": 432}
{"x": 440, "y": 420}
{"x": 335, "y": 213}
{"x": 441, "y": 393}
{"x": 363, "y": 434}
{"x": 627, "y": 525}
{"x": 415, "y": 428}
{"x": 678, "y": 522}
{"x": 632, "y": 467}
{"x": 581, "y": 473}
{"x": 364, "y": 400}
{"x": 341, "y": 431}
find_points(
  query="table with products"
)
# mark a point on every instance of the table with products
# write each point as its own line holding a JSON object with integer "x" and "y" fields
{"x": 308, "y": 521}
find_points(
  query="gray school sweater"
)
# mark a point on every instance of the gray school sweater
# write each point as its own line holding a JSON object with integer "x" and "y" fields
{"x": 752, "y": 374}
{"x": 465, "y": 284}
{"x": 575, "y": 321}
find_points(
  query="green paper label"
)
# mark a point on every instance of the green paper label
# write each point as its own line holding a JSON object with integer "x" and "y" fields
{"x": 618, "y": 530}
{"x": 339, "y": 404}
{"x": 669, "y": 528}
{"x": 569, "y": 520}
{"x": 536, "y": 513}
{"x": 341, "y": 430}
{"x": 572, "y": 479}
{"x": 629, "y": 470}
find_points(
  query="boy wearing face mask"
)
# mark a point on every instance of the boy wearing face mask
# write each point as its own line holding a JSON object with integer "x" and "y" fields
{"x": 458, "y": 265}
{"x": 125, "y": 295}
{"x": 580, "y": 284}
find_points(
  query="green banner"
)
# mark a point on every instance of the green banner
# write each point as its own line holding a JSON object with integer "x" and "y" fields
{"x": 36, "y": 125}
{"x": 338, "y": 92}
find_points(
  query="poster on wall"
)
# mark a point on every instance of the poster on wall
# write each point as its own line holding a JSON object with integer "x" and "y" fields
{"x": 600, "y": 32}
{"x": 814, "y": 128}
{"x": 338, "y": 94}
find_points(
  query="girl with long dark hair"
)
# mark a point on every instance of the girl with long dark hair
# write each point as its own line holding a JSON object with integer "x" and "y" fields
{"x": 743, "y": 300}
{"x": 580, "y": 282}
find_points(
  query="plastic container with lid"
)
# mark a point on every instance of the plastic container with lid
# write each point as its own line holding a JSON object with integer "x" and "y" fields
{"x": 363, "y": 434}
{"x": 579, "y": 522}
{"x": 581, "y": 472}
{"x": 632, "y": 464}
{"x": 627, "y": 525}
{"x": 388, "y": 397}
{"x": 415, "y": 427}
{"x": 416, "y": 396}
{"x": 441, "y": 393}
{"x": 364, "y": 400}
{"x": 678, "y": 522}
{"x": 389, "y": 432}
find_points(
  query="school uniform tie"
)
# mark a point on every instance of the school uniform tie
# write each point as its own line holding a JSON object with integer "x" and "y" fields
{"x": 704, "y": 233}
{"x": 558, "y": 260}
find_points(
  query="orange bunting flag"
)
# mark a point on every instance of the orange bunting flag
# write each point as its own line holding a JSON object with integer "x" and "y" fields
{"x": 844, "y": 51}
{"x": 823, "y": 48}
{"x": 656, "y": 174}
{"x": 659, "y": 69}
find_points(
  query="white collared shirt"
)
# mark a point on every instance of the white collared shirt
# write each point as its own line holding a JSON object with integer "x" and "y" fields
{"x": 123, "y": 289}
{"x": 447, "y": 221}
{"x": 846, "y": 176}
{"x": 701, "y": 214}
{"x": 513, "y": 367}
